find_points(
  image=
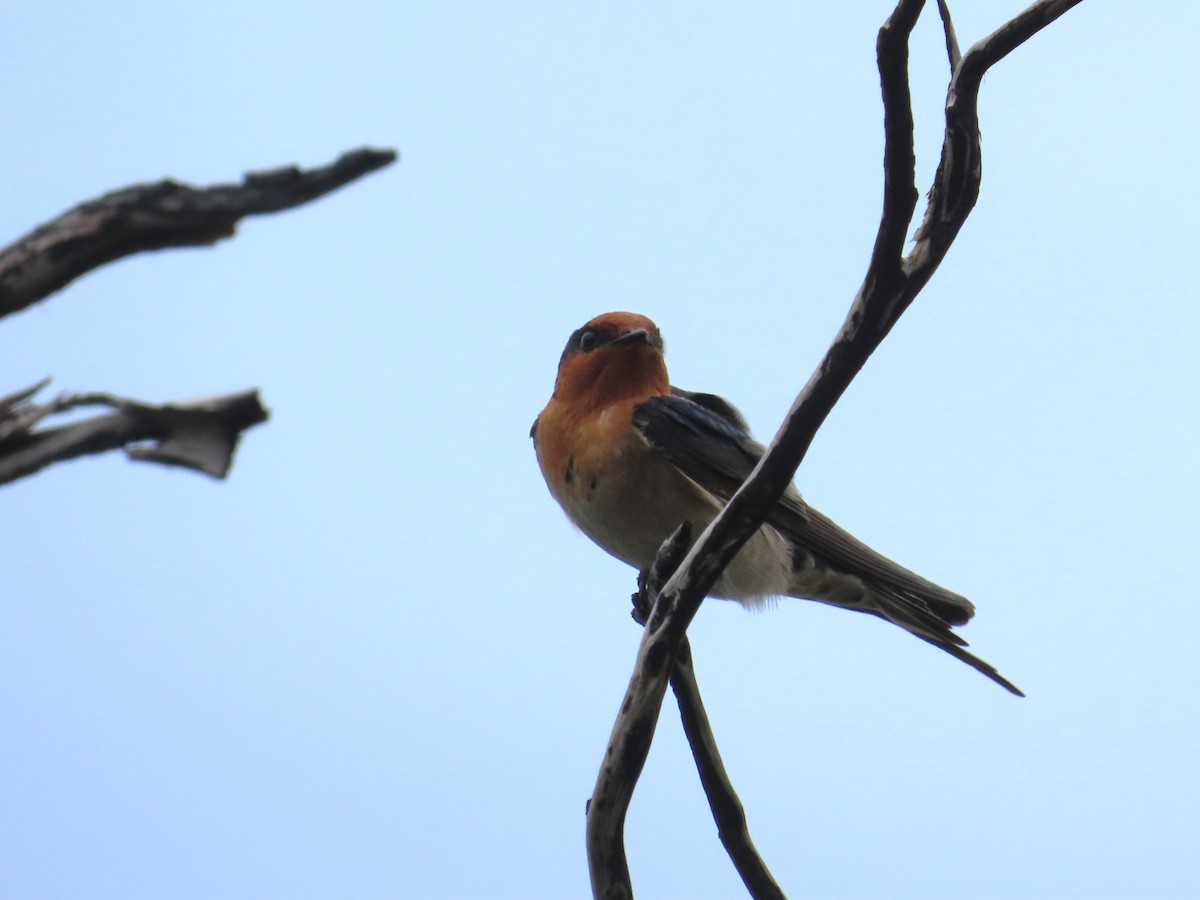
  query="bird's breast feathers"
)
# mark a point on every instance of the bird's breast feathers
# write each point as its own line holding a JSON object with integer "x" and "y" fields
{"x": 628, "y": 498}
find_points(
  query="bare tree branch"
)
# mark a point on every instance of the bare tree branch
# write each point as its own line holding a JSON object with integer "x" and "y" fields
{"x": 726, "y": 806}
{"x": 610, "y": 859}
{"x": 727, "y": 809}
{"x": 899, "y": 159}
{"x": 960, "y": 170}
{"x": 199, "y": 434}
{"x": 891, "y": 283}
{"x": 157, "y": 216}
{"x": 952, "y": 51}
{"x": 202, "y": 434}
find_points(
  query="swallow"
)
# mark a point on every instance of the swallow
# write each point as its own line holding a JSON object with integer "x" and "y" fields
{"x": 629, "y": 458}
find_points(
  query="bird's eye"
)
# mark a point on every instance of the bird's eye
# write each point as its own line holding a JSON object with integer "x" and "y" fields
{"x": 588, "y": 340}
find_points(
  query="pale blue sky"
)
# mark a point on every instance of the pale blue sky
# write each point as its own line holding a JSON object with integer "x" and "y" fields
{"x": 377, "y": 662}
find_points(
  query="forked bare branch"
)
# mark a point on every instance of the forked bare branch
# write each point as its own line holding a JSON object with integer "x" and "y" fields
{"x": 727, "y": 810}
{"x": 890, "y": 285}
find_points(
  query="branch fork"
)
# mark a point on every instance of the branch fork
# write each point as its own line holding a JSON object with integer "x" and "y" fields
{"x": 892, "y": 281}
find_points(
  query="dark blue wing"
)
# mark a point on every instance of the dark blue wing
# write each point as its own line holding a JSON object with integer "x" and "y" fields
{"x": 707, "y": 439}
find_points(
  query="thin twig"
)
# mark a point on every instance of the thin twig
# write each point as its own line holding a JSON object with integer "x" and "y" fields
{"x": 952, "y": 51}
{"x": 726, "y": 806}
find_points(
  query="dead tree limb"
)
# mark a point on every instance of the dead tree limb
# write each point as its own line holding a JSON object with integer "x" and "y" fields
{"x": 157, "y": 216}
{"x": 891, "y": 283}
{"x": 727, "y": 810}
{"x": 200, "y": 435}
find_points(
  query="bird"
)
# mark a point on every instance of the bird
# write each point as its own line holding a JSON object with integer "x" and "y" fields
{"x": 629, "y": 458}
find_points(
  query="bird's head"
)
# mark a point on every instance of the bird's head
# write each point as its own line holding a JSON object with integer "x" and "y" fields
{"x": 613, "y": 357}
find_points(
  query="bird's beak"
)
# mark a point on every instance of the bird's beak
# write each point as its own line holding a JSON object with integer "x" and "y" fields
{"x": 637, "y": 336}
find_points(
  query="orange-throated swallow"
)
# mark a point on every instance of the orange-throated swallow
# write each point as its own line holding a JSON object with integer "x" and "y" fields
{"x": 629, "y": 458}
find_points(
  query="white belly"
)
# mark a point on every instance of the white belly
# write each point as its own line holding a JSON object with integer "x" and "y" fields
{"x": 632, "y": 513}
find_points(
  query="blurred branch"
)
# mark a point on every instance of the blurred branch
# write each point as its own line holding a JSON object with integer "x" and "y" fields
{"x": 157, "y": 216}
{"x": 199, "y": 434}
{"x": 891, "y": 283}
